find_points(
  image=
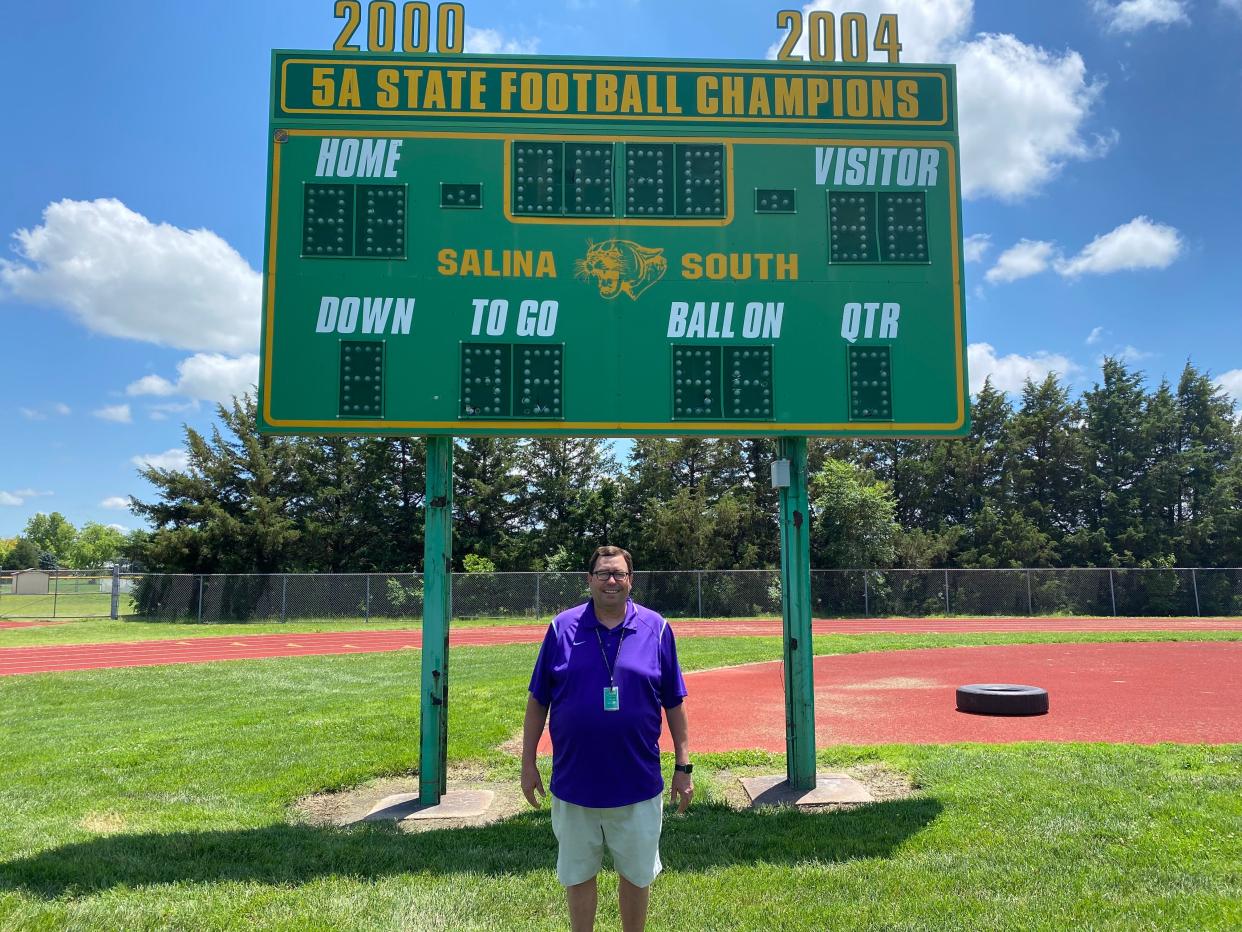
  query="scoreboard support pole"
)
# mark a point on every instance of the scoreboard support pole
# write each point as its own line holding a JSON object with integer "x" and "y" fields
{"x": 796, "y": 612}
{"x": 437, "y": 610}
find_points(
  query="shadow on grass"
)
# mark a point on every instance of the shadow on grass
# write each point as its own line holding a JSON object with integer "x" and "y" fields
{"x": 711, "y": 836}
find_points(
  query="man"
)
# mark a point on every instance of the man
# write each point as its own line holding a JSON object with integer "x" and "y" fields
{"x": 606, "y": 668}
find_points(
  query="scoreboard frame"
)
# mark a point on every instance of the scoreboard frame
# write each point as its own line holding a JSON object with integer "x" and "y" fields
{"x": 294, "y": 400}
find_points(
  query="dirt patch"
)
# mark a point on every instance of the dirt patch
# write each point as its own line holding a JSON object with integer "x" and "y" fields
{"x": 104, "y": 823}
{"x": 883, "y": 783}
{"x": 346, "y": 806}
{"x": 895, "y": 682}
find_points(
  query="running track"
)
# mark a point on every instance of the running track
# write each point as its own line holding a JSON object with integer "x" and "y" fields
{"x": 1141, "y": 693}
{"x": 46, "y": 659}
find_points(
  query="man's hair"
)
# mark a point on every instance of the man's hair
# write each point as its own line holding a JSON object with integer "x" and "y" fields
{"x": 610, "y": 551}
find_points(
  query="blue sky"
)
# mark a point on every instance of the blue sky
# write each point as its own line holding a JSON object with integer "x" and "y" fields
{"x": 1100, "y": 154}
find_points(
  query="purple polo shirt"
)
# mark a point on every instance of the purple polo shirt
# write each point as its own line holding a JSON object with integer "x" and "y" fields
{"x": 605, "y": 759}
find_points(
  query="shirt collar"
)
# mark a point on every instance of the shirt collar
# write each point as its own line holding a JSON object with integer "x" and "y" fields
{"x": 630, "y": 621}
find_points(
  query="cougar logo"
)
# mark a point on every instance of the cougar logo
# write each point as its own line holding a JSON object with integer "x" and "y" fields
{"x": 622, "y": 267}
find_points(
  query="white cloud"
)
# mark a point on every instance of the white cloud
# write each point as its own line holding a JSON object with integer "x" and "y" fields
{"x": 41, "y": 413}
{"x": 122, "y": 275}
{"x": 203, "y": 377}
{"x": 19, "y": 496}
{"x": 118, "y": 413}
{"x": 1026, "y": 258}
{"x": 1126, "y": 354}
{"x": 169, "y": 459}
{"x": 976, "y": 246}
{"x": 1231, "y": 381}
{"x": 492, "y": 42}
{"x": 1022, "y": 111}
{"x": 1009, "y": 373}
{"x": 160, "y": 412}
{"x": 1133, "y": 15}
{"x": 1094, "y": 337}
{"x": 1139, "y": 244}
{"x": 1022, "y": 108}
{"x": 120, "y": 528}
{"x": 115, "y": 503}
{"x": 1235, "y": 5}
{"x": 151, "y": 385}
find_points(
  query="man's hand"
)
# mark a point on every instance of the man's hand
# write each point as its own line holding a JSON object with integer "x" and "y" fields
{"x": 532, "y": 783}
{"x": 682, "y": 790}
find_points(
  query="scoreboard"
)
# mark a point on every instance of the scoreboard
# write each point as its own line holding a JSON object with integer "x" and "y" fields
{"x": 574, "y": 246}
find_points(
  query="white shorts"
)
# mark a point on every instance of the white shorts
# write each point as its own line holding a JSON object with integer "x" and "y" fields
{"x": 631, "y": 833}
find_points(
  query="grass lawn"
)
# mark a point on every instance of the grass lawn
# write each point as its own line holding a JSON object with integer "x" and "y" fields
{"x": 160, "y": 797}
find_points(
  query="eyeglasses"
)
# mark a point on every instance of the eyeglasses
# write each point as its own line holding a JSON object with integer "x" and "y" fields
{"x": 605, "y": 575}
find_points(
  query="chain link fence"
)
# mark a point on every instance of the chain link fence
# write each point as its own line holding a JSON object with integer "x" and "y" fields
{"x": 66, "y": 593}
{"x": 678, "y": 594}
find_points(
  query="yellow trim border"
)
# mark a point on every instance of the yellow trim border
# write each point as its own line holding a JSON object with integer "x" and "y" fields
{"x": 286, "y": 110}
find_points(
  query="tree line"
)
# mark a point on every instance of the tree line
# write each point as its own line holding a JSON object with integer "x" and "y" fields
{"x": 1120, "y": 476}
{"x": 50, "y": 541}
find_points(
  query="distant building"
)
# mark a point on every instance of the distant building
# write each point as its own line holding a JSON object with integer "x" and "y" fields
{"x": 32, "y": 582}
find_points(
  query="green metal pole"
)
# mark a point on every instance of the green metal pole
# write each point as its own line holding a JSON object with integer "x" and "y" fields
{"x": 796, "y": 609}
{"x": 437, "y": 610}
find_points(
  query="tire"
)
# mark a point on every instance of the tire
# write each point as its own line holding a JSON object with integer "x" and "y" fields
{"x": 1002, "y": 699}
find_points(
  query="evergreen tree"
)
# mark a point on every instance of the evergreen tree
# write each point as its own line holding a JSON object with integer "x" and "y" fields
{"x": 1044, "y": 468}
{"x": 227, "y": 512}
{"x": 1206, "y": 440}
{"x": 485, "y": 500}
{"x": 1116, "y": 456}
{"x": 560, "y": 504}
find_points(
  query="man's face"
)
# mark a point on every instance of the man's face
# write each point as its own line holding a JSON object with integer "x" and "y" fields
{"x": 611, "y": 592}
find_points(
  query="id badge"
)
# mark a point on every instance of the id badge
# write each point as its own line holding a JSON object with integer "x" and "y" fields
{"x": 612, "y": 699}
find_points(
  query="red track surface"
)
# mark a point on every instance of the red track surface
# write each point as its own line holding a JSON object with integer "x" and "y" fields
{"x": 1143, "y": 693}
{"x": 201, "y": 650}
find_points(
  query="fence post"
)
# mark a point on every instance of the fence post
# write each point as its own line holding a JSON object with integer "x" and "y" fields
{"x": 946, "y": 592}
{"x": 284, "y": 588}
{"x": 55, "y": 590}
{"x": 366, "y": 609}
{"x": 1029, "y": 610}
{"x": 1195, "y": 583}
{"x": 866, "y": 595}
{"x": 538, "y": 576}
{"x": 1112, "y": 591}
{"x": 698, "y": 578}
{"x": 116, "y": 592}
{"x": 200, "y": 598}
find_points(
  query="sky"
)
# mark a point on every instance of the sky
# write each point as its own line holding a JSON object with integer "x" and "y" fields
{"x": 1100, "y": 161}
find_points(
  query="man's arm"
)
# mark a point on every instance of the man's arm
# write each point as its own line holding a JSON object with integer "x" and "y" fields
{"x": 532, "y": 731}
{"x": 683, "y": 783}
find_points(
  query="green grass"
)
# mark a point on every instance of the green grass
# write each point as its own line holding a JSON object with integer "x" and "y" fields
{"x": 83, "y": 604}
{"x": 159, "y": 797}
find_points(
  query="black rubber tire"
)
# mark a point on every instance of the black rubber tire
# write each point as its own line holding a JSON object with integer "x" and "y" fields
{"x": 1002, "y": 699}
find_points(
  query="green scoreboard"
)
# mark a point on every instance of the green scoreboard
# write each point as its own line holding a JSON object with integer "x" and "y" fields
{"x": 512, "y": 245}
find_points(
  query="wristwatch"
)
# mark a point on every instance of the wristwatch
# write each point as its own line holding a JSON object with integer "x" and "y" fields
{"x": 684, "y": 768}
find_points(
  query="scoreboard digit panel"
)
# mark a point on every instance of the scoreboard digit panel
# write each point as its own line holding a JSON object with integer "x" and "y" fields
{"x": 531, "y": 274}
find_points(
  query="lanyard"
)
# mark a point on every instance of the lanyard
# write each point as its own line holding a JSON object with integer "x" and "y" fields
{"x": 615, "y": 660}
